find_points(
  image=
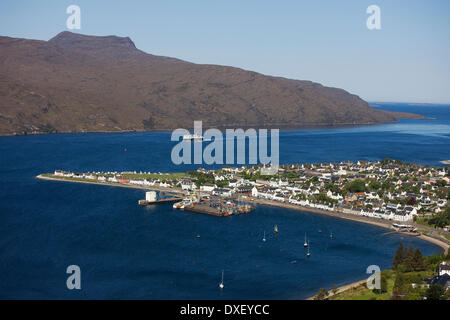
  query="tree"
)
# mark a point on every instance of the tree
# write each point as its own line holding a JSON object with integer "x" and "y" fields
{"x": 374, "y": 185}
{"x": 399, "y": 284}
{"x": 411, "y": 201}
{"x": 435, "y": 292}
{"x": 357, "y": 185}
{"x": 418, "y": 261}
{"x": 383, "y": 282}
{"x": 398, "y": 257}
{"x": 321, "y": 295}
{"x": 442, "y": 219}
{"x": 335, "y": 289}
{"x": 408, "y": 260}
{"x": 441, "y": 183}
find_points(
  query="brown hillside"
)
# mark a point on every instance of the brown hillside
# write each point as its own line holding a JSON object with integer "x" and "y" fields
{"x": 79, "y": 83}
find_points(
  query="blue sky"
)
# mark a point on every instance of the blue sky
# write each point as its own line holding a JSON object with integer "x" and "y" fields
{"x": 326, "y": 41}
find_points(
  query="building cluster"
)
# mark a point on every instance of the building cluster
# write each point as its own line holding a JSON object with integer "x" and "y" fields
{"x": 442, "y": 278}
{"x": 386, "y": 189}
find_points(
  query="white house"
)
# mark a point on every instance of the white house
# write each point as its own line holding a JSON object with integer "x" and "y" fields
{"x": 207, "y": 187}
{"x": 444, "y": 268}
{"x": 150, "y": 196}
{"x": 255, "y": 192}
{"x": 188, "y": 185}
{"x": 278, "y": 197}
{"x": 58, "y": 173}
{"x": 224, "y": 192}
{"x": 164, "y": 184}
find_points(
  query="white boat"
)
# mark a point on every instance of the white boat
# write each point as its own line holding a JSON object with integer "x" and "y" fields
{"x": 192, "y": 137}
{"x": 264, "y": 238}
{"x": 306, "y": 243}
{"x": 221, "y": 286}
{"x": 308, "y": 254}
{"x": 177, "y": 205}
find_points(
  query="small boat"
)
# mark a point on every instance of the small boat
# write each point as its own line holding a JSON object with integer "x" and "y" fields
{"x": 221, "y": 286}
{"x": 198, "y": 236}
{"x": 320, "y": 231}
{"x": 264, "y": 238}
{"x": 275, "y": 229}
{"x": 308, "y": 254}
{"x": 178, "y": 205}
{"x": 306, "y": 243}
{"x": 331, "y": 235}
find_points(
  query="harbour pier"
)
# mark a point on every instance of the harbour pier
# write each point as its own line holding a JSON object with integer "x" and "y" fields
{"x": 151, "y": 198}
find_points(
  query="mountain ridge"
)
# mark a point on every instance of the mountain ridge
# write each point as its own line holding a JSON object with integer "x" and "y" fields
{"x": 81, "y": 83}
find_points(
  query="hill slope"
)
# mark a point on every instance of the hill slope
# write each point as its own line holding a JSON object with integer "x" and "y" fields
{"x": 79, "y": 83}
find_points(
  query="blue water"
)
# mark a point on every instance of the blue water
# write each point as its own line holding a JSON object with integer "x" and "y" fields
{"x": 126, "y": 251}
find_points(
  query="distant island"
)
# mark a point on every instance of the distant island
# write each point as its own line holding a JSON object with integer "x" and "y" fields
{"x": 80, "y": 83}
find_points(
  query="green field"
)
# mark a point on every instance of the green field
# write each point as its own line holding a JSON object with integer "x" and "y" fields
{"x": 161, "y": 176}
{"x": 362, "y": 293}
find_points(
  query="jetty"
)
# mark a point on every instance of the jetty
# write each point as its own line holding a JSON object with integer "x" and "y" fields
{"x": 214, "y": 206}
{"x": 151, "y": 198}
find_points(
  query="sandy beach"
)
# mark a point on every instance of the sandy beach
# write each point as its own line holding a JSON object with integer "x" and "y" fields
{"x": 343, "y": 288}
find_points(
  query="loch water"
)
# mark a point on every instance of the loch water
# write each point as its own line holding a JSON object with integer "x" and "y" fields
{"x": 131, "y": 252}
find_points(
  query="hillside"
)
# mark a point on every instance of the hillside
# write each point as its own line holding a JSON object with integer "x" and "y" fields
{"x": 79, "y": 83}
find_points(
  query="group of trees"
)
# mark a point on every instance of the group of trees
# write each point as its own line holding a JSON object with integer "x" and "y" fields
{"x": 323, "y": 198}
{"x": 408, "y": 259}
{"x": 356, "y": 185}
{"x": 441, "y": 219}
{"x": 383, "y": 282}
{"x": 202, "y": 178}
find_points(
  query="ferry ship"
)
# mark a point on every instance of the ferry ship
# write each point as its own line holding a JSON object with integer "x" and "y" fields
{"x": 192, "y": 137}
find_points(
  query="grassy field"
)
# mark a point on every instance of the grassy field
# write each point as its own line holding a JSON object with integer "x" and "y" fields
{"x": 423, "y": 222}
{"x": 362, "y": 293}
{"x": 161, "y": 176}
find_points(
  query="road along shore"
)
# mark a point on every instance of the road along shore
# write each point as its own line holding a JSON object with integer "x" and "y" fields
{"x": 373, "y": 221}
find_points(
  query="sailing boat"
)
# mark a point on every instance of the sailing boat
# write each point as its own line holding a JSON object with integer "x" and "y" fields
{"x": 221, "y": 283}
{"x": 308, "y": 254}
{"x": 306, "y": 243}
{"x": 264, "y": 238}
{"x": 275, "y": 229}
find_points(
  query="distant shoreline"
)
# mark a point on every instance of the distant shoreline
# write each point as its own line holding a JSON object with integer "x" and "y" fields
{"x": 280, "y": 126}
